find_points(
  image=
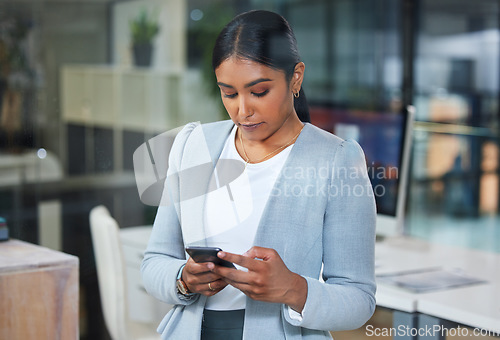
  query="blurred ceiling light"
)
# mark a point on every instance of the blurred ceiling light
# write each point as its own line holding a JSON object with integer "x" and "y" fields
{"x": 196, "y": 14}
{"x": 41, "y": 153}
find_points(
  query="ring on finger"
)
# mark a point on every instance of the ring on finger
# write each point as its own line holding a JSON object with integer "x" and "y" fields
{"x": 210, "y": 287}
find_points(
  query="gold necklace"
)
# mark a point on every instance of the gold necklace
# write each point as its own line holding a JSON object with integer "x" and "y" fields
{"x": 269, "y": 154}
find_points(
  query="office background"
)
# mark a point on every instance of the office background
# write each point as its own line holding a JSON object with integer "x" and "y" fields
{"x": 74, "y": 107}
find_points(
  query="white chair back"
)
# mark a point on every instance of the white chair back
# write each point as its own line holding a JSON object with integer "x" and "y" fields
{"x": 110, "y": 271}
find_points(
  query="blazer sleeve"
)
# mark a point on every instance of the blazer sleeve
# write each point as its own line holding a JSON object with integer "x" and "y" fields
{"x": 346, "y": 300}
{"x": 165, "y": 254}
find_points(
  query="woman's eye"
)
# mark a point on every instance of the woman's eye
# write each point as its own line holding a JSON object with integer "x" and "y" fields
{"x": 231, "y": 95}
{"x": 260, "y": 94}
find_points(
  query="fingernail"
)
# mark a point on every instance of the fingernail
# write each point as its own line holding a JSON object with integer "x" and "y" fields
{"x": 210, "y": 266}
{"x": 221, "y": 254}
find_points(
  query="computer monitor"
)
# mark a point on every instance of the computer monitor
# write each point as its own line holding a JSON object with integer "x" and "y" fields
{"x": 385, "y": 138}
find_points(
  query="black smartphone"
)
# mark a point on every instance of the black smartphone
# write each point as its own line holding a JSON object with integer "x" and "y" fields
{"x": 208, "y": 254}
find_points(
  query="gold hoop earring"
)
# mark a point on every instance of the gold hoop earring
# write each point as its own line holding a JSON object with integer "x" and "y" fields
{"x": 296, "y": 94}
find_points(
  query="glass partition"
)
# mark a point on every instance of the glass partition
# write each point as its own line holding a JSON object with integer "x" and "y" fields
{"x": 454, "y": 192}
{"x": 77, "y": 99}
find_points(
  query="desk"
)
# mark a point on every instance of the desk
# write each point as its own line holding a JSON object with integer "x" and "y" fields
{"x": 38, "y": 293}
{"x": 475, "y": 306}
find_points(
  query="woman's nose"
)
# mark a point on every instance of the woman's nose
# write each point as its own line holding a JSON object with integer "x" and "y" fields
{"x": 244, "y": 107}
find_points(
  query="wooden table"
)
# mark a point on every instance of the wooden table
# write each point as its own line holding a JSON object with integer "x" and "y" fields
{"x": 38, "y": 293}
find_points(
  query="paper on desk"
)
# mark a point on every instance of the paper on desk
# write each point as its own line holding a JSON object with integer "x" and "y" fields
{"x": 430, "y": 279}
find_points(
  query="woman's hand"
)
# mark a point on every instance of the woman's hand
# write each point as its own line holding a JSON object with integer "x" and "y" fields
{"x": 268, "y": 278}
{"x": 199, "y": 278}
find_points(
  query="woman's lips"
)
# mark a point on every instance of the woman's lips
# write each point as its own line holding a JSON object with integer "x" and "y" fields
{"x": 250, "y": 127}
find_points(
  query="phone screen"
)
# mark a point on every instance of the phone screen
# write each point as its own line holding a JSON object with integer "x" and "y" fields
{"x": 207, "y": 254}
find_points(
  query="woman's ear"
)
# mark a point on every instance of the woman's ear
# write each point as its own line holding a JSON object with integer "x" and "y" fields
{"x": 297, "y": 77}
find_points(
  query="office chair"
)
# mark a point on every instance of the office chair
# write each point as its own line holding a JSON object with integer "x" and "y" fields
{"x": 112, "y": 279}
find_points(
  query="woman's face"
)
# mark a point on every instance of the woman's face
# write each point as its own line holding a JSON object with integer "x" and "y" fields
{"x": 258, "y": 98}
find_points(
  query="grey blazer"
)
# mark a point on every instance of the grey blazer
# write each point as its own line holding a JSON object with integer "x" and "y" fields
{"x": 321, "y": 212}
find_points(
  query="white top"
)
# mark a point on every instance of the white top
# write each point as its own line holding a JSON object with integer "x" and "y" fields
{"x": 234, "y": 223}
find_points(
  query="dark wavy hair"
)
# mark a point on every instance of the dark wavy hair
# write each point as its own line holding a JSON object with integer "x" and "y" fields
{"x": 264, "y": 37}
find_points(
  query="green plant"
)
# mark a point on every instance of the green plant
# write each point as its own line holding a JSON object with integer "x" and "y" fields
{"x": 143, "y": 28}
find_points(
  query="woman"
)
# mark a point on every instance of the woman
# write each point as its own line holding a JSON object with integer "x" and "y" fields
{"x": 302, "y": 202}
